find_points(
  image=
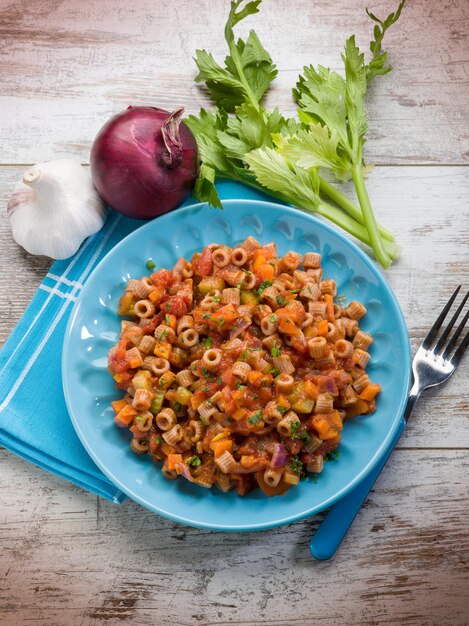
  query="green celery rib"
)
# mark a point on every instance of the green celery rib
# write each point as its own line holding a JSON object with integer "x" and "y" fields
{"x": 347, "y": 205}
{"x": 369, "y": 218}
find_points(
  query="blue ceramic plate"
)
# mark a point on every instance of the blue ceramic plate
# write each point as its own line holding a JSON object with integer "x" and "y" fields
{"x": 94, "y": 326}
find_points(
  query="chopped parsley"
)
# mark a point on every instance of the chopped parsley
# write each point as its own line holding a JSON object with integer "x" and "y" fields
{"x": 263, "y": 286}
{"x": 306, "y": 437}
{"x": 150, "y": 265}
{"x": 205, "y": 372}
{"x": 205, "y": 316}
{"x": 219, "y": 381}
{"x": 167, "y": 319}
{"x": 274, "y": 371}
{"x": 177, "y": 406}
{"x": 163, "y": 334}
{"x": 280, "y": 300}
{"x": 256, "y": 418}
{"x": 208, "y": 342}
{"x": 333, "y": 455}
{"x": 205, "y": 389}
{"x": 168, "y": 306}
{"x": 158, "y": 441}
{"x": 281, "y": 409}
{"x": 203, "y": 420}
{"x": 240, "y": 386}
{"x": 294, "y": 430}
{"x": 296, "y": 465}
{"x": 273, "y": 318}
{"x": 194, "y": 461}
{"x": 216, "y": 298}
{"x": 275, "y": 351}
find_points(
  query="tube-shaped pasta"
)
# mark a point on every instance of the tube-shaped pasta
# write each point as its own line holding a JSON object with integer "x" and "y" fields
{"x": 188, "y": 338}
{"x": 126, "y": 325}
{"x": 271, "y": 340}
{"x": 167, "y": 473}
{"x": 283, "y": 364}
{"x": 326, "y": 362}
{"x": 312, "y": 260}
{"x": 233, "y": 277}
{"x": 291, "y": 261}
{"x": 360, "y": 383}
{"x": 132, "y": 285}
{"x": 316, "y": 464}
{"x": 273, "y": 476}
{"x": 198, "y": 429}
{"x": 142, "y": 399}
{"x": 163, "y": 332}
{"x": 230, "y": 295}
{"x": 185, "y": 322}
{"x": 316, "y": 274}
{"x": 348, "y": 395}
{"x": 312, "y": 445}
{"x": 285, "y": 383}
{"x": 317, "y": 309}
{"x": 211, "y": 359}
{"x": 144, "y": 308}
{"x": 271, "y": 415}
{"x": 362, "y": 340}
{"x": 250, "y": 244}
{"x": 311, "y": 292}
{"x": 301, "y": 277}
{"x": 328, "y": 286}
{"x": 241, "y": 370}
{"x": 142, "y": 289}
{"x": 350, "y": 326}
{"x": 159, "y": 366}
{"x": 173, "y": 435}
{"x": 261, "y": 311}
{"x": 207, "y": 410}
{"x": 239, "y": 256}
{"x": 249, "y": 281}
{"x": 355, "y": 310}
{"x": 269, "y": 325}
{"x": 139, "y": 446}
{"x": 284, "y": 426}
{"x": 324, "y": 403}
{"x": 317, "y": 347}
{"x": 166, "y": 419}
{"x": 220, "y": 257}
{"x": 185, "y": 378}
{"x": 361, "y": 357}
{"x": 209, "y": 303}
{"x": 226, "y": 462}
{"x": 147, "y": 344}
{"x": 186, "y": 271}
{"x": 333, "y": 333}
{"x": 134, "y": 357}
{"x": 343, "y": 348}
{"x": 307, "y": 321}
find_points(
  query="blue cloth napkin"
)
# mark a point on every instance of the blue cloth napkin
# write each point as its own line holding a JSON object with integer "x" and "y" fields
{"x": 34, "y": 422}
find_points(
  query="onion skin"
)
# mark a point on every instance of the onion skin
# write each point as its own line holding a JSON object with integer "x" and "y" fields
{"x": 137, "y": 170}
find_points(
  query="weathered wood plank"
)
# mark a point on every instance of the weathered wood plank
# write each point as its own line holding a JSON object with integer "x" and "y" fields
{"x": 71, "y": 66}
{"x": 65, "y": 561}
{"x": 428, "y": 210}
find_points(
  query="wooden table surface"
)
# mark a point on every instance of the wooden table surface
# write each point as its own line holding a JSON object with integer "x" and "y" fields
{"x": 70, "y": 558}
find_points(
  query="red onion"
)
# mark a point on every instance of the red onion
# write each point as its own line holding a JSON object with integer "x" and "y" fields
{"x": 144, "y": 161}
{"x": 241, "y": 324}
{"x": 184, "y": 470}
{"x": 280, "y": 456}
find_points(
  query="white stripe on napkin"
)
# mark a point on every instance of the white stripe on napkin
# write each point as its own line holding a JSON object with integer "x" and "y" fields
{"x": 57, "y": 319}
{"x": 58, "y": 293}
{"x": 61, "y": 279}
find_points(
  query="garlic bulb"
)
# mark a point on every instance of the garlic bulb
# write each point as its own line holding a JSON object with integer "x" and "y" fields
{"x": 54, "y": 208}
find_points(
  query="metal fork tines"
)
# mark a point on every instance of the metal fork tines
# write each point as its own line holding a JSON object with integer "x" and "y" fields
{"x": 434, "y": 365}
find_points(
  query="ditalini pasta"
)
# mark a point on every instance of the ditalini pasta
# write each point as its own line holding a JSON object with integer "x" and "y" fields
{"x": 239, "y": 369}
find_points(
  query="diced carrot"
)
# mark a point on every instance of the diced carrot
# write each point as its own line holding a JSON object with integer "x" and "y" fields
{"x": 167, "y": 449}
{"x": 254, "y": 377}
{"x": 126, "y": 306}
{"x": 282, "y": 401}
{"x": 118, "y": 405}
{"x": 265, "y": 271}
{"x": 156, "y": 294}
{"x": 163, "y": 349}
{"x": 310, "y": 332}
{"x": 221, "y": 446}
{"x": 287, "y": 326}
{"x": 125, "y": 416}
{"x": 360, "y": 407}
{"x": 172, "y": 459}
{"x": 248, "y": 461}
{"x": 170, "y": 320}
{"x": 328, "y": 298}
{"x": 166, "y": 380}
{"x": 370, "y": 391}
{"x": 327, "y": 425}
{"x": 258, "y": 258}
{"x": 311, "y": 389}
{"x": 240, "y": 414}
{"x": 238, "y": 394}
{"x": 224, "y": 316}
{"x": 196, "y": 400}
{"x": 322, "y": 328}
{"x": 330, "y": 312}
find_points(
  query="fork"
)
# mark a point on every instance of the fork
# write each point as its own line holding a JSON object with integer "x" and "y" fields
{"x": 430, "y": 367}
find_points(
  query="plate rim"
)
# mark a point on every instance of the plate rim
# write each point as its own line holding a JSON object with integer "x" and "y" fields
{"x": 381, "y": 450}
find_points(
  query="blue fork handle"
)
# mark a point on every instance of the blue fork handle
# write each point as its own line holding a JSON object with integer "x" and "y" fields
{"x": 335, "y": 525}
